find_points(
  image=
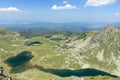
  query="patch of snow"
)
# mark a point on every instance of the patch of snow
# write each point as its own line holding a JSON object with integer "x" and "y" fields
{"x": 15, "y": 45}
{"x": 1, "y": 49}
{"x": 85, "y": 66}
{"x": 100, "y": 55}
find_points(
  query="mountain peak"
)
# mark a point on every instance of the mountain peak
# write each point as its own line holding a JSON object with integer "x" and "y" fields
{"x": 105, "y": 34}
{"x": 110, "y": 28}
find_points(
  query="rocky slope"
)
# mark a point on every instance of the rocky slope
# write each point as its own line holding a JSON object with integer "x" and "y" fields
{"x": 98, "y": 49}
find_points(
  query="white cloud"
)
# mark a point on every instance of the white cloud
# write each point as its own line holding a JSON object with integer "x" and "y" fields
{"x": 117, "y": 14}
{"x": 9, "y": 9}
{"x": 67, "y": 6}
{"x": 96, "y": 3}
{"x": 65, "y": 2}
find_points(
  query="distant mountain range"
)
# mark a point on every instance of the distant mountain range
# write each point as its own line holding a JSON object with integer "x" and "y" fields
{"x": 38, "y": 28}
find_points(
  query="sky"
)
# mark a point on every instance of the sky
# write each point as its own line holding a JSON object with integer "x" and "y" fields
{"x": 59, "y": 11}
